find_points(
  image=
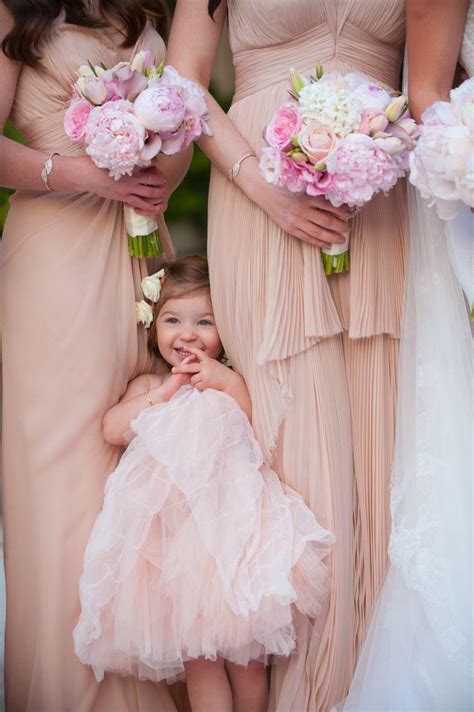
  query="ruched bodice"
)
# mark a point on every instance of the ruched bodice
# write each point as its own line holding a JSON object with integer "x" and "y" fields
{"x": 269, "y": 36}
{"x": 44, "y": 93}
{"x": 319, "y": 354}
{"x": 66, "y": 270}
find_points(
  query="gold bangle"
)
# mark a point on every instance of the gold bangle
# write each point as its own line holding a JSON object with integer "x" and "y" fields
{"x": 46, "y": 172}
{"x": 233, "y": 172}
{"x": 148, "y": 398}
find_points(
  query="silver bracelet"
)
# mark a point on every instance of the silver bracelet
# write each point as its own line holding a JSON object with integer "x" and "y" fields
{"x": 47, "y": 168}
{"x": 233, "y": 172}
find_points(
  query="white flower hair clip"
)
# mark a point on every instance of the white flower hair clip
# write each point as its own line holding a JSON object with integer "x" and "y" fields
{"x": 144, "y": 313}
{"x": 151, "y": 287}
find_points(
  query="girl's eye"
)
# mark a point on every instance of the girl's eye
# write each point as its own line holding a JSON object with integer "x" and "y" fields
{"x": 205, "y": 322}
{"x": 171, "y": 320}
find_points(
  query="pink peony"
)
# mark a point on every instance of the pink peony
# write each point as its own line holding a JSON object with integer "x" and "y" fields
{"x": 316, "y": 142}
{"x": 285, "y": 123}
{"x": 160, "y": 108}
{"x": 359, "y": 169}
{"x": 75, "y": 119}
{"x": 115, "y": 138}
{"x": 442, "y": 164}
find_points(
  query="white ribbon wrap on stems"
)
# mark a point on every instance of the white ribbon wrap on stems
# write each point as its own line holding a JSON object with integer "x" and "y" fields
{"x": 138, "y": 225}
{"x": 336, "y": 248}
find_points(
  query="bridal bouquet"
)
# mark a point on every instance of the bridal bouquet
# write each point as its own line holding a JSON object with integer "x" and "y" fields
{"x": 125, "y": 116}
{"x": 442, "y": 164}
{"x": 341, "y": 137}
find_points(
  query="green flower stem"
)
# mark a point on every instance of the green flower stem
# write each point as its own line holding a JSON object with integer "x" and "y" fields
{"x": 334, "y": 264}
{"x": 145, "y": 245}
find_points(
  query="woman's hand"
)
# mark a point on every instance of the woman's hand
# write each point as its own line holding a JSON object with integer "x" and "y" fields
{"x": 146, "y": 190}
{"x": 310, "y": 219}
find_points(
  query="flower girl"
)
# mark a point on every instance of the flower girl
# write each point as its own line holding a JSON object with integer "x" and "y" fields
{"x": 200, "y": 558}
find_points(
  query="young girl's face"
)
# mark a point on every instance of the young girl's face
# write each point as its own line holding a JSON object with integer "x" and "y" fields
{"x": 185, "y": 322}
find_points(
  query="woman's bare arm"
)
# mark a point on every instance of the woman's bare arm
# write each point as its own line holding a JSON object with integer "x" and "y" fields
{"x": 192, "y": 48}
{"x": 434, "y": 35}
{"x": 20, "y": 166}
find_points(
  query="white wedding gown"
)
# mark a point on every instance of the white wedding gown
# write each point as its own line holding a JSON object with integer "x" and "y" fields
{"x": 418, "y": 655}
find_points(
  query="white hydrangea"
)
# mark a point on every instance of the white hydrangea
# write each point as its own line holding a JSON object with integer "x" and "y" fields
{"x": 337, "y": 109}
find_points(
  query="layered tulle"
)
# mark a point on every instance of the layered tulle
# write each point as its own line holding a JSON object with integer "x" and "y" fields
{"x": 199, "y": 550}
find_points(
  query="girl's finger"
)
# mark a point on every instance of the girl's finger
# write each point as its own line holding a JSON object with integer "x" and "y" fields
{"x": 194, "y": 367}
{"x": 201, "y": 355}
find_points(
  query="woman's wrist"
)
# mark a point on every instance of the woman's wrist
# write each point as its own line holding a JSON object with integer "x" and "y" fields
{"x": 67, "y": 174}
{"x": 424, "y": 98}
{"x": 252, "y": 183}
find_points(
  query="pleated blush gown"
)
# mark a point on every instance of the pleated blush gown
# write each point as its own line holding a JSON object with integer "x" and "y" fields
{"x": 319, "y": 354}
{"x": 70, "y": 345}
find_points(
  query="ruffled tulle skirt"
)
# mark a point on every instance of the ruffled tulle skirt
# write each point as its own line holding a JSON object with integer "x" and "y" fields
{"x": 199, "y": 550}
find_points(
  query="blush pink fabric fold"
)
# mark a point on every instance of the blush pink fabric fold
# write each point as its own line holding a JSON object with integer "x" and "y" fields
{"x": 319, "y": 354}
{"x": 70, "y": 345}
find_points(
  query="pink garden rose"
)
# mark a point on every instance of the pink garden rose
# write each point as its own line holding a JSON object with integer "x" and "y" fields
{"x": 160, "y": 108}
{"x": 316, "y": 142}
{"x": 75, "y": 119}
{"x": 115, "y": 138}
{"x": 285, "y": 123}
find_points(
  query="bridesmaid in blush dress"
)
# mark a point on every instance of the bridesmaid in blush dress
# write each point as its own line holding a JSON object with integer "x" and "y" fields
{"x": 70, "y": 346}
{"x": 319, "y": 354}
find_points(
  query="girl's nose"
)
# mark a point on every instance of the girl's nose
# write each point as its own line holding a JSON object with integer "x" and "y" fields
{"x": 188, "y": 334}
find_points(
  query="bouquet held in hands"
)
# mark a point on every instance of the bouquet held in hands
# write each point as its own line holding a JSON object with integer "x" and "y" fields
{"x": 341, "y": 137}
{"x": 125, "y": 116}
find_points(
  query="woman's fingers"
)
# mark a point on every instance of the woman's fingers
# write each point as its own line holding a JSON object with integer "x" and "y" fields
{"x": 327, "y": 221}
{"x": 134, "y": 201}
{"x": 306, "y": 237}
{"x": 316, "y": 232}
{"x": 343, "y": 212}
{"x": 146, "y": 191}
{"x": 152, "y": 176}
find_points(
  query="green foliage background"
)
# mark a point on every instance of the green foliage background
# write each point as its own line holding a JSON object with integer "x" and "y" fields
{"x": 11, "y": 132}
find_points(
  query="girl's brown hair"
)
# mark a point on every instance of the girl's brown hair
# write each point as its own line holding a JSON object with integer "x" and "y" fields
{"x": 183, "y": 278}
{"x": 33, "y": 19}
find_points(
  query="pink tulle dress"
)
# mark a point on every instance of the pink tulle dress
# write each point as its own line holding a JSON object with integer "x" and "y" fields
{"x": 199, "y": 550}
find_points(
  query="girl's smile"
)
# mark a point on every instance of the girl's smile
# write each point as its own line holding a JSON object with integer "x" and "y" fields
{"x": 187, "y": 322}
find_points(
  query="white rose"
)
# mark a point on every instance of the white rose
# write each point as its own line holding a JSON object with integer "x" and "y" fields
{"x": 151, "y": 286}
{"x": 144, "y": 313}
{"x": 270, "y": 165}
